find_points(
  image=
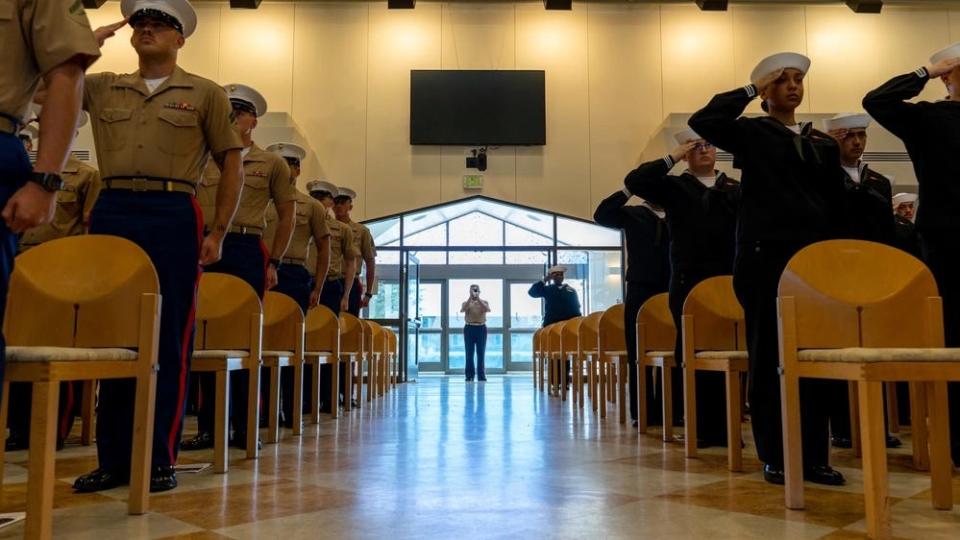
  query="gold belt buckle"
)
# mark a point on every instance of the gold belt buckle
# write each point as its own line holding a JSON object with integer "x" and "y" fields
{"x": 139, "y": 184}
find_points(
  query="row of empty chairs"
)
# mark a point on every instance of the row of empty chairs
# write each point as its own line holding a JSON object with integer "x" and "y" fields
{"x": 87, "y": 308}
{"x": 848, "y": 310}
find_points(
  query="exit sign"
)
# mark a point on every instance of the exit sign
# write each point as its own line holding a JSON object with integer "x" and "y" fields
{"x": 473, "y": 181}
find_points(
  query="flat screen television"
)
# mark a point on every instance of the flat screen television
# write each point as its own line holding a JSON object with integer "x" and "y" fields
{"x": 477, "y": 108}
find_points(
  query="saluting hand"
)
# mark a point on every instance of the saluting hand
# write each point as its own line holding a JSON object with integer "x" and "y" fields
{"x": 30, "y": 206}
{"x": 838, "y": 134}
{"x": 767, "y": 80}
{"x": 211, "y": 249}
{"x": 104, "y": 33}
{"x": 680, "y": 153}
{"x": 943, "y": 67}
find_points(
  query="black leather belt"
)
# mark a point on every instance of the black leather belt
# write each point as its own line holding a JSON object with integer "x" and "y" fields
{"x": 246, "y": 229}
{"x": 145, "y": 183}
{"x": 293, "y": 260}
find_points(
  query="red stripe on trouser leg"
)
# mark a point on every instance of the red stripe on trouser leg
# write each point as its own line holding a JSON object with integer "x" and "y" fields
{"x": 187, "y": 334}
{"x": 67, "y": 410}
{"x": 266, "y": 265}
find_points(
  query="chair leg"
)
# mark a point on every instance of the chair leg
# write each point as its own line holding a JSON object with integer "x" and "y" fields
{"x": 221, "y": 424}
{"x": 580, "y": 382}
{"x": 641, "y": 396}
{"x": 253, "y": 413}
{"x": 602, "y": 386}
{"x": 371, "y": 376}
{"x": 734, "y": 452}
{"x": 621, "y": 387}
{"x": 334, "y": 388}
{"x": 43, "y": 445}
{"x": 667, "y": 396}
{"x": 893, "y": 416}
{"x": 873, "y": 438}
{"x": 689, "y": 408}
{"x": 273, "y": 407}
{"x": 792, "y": 446}
{"x": 4, "y": 406}
{"x": 941, "y": 465}
{"x": 297, "y": 398}
{"x": 315, "y": 392}
{"x": 563, "y": 380}
{"x": 142, "y": 447}
{"x": 918, "y": 426}
{"x": 853, "y": 392}
{"x": 88, "y": 412}
{"x": 592, "y": 382}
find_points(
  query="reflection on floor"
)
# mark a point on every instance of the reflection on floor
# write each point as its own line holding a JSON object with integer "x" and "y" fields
{"x": 446, "y": 459}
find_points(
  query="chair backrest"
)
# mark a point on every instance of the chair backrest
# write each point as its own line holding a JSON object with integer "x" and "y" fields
{"x": 322, "y": 331}
{"x": 610, "y": 334}
{"x": 589, "y": 332}
{"x": 391, "y": 340}
{"x": 229, "y": 314}
{"x": 378, "y": 338}
{"x": 570, "y": 336}
{"x": 554, "y": 337}
{"x": 351, "y": 334}
{"x": 655, "y": 328}
{"x": 850, "y": 293}
{"x": 717, "y": 316}
{"x": 283, "y": 323}
{"x": 81, "y": 291}
{"x": 536, "y": 341}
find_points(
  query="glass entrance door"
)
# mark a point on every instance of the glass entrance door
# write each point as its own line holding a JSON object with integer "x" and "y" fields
{"x": 410, "y": 317}
{"x": 525, "y": 318}
{"x": 491, "y": 290}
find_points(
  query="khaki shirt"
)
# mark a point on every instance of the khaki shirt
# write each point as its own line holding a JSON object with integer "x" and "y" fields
{"x": 341, "y": 246}
{"x": 168, "y": 134}
{"x": 309, "y": 223}
{"x": 35, "y": 37}
{"x": 266, "y": 177}
{"x": 81, "y": 185}
{"x": 363, "y": 240}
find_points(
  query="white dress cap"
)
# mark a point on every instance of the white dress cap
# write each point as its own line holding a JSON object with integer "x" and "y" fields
{"x": 686, "y": 135}
{"x": 556, "y": 269}
{"x": 901, "y": 198}
{"x": 947, "y": 53}
{"x": 847, "y": 121}
{"x": 776, "y": 62}
{"x": 247, "y": 94}
{"x": 346, "y": 192}
{"x": 288, "y": 150}
{"x": 321, "y": 185}
{"x": 180, "y": 10}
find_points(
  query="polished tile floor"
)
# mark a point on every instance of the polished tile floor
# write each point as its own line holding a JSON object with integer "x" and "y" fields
{"x": 442, "y": 458}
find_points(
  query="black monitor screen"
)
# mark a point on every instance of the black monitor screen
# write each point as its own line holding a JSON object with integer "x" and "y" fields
{"x": 477, "y": 107}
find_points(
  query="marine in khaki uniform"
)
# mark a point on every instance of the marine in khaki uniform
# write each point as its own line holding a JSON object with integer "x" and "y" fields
{"x": 294, "y": 280}
{"x": 363, "y": 241}
{"x": 343, "y": 268}
{"x": 154, "y": 130}
{"x": 266, "y": 179}
{"x": 52, "y": 42}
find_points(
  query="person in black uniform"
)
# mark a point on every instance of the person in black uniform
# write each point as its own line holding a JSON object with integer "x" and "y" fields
{"x": 792, "y": 195}
{"x": 560, "y": 301}
{"x": 904, "y": 231}
{"x": 869, "y": 195}
{"x": 700, "y": 207}
{"x": 931, "y": 134}
{"x": 648, "y": 274}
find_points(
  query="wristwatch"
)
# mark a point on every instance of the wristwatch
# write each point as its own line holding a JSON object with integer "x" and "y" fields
{"x": 48, "y": 181}
{"x": 275, "y": 263}
{"x": 367, "y": 295}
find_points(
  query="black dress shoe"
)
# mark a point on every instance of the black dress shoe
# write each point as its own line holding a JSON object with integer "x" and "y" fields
{"x": 201, "y": 441}
{"x": 469, "y": 379}
{"x": 100, "y": 480}
{"x": 772, "y": 475}
{"x": 824, "y": 474}
{"x": 841, "y": 442}
{"x": 636, "y": 424}
{"x": 239, "y": 440}
{"x": 17, "y": 441}
{"x": 162, "y": 478}
{"x": 482, "y": 379}
{"x": 893, "y": 442}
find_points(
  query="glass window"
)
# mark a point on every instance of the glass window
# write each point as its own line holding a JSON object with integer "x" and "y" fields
{"x": 493, "y": 357}
{"x": 604, "y": 280}
{"x": 521, "y": 347}
{"x": 430, "y": 257}
{"x": 526, "y": 257}
{"x": 475, "y": 257}
{"x": 434, "y": 236}
{"x": 387, "y": 256}
{"x": 429, "y": 348}
{"x": 517, "y": 236}
{"x": 491, "y": 290}
{"x": 476, "y": 229}
{"x": 579, "y": 233}
{"x": 431, "y": 304}
{"x": 385, "y": 231}
{"x": 525, "y": 312}
{"x": 386, "y": 303}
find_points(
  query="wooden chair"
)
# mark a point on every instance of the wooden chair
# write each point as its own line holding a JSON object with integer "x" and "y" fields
{"x": 229, "y": 338}
{"x": 869, "y": 313}
{"x": 569, "y": 350}
{"x": 713, "y": 336}
{"x": 283, "y": 330}
{"x": 322, "y": 346}
{"x": 656, "y": 339}
{"x": 376, "y": 353}
{"x": 558, "y": 376}
{"x": 81, "y": 308}
{"x": 536, "y": 359}
{"x": 394, "y": 358}
{"x": 613, "y": 357}
{"x": 352, "y": 354}
{"x": 587, "y": 356}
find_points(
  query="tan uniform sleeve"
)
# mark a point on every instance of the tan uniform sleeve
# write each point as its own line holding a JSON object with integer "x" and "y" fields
{"x": 318, "y": 221}
{"x": 281, "y": 189}
{"x": 349, "y": 249}
{"x": 367, "y": 249}
{"x": 218, "y": 123}
{"x": 91, "y": 191}
{"x": 59, "y": 31}
{"x": 93, "y": 86}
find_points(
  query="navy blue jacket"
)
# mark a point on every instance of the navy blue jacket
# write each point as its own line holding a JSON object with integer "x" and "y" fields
{"x": 560, "y": 302}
